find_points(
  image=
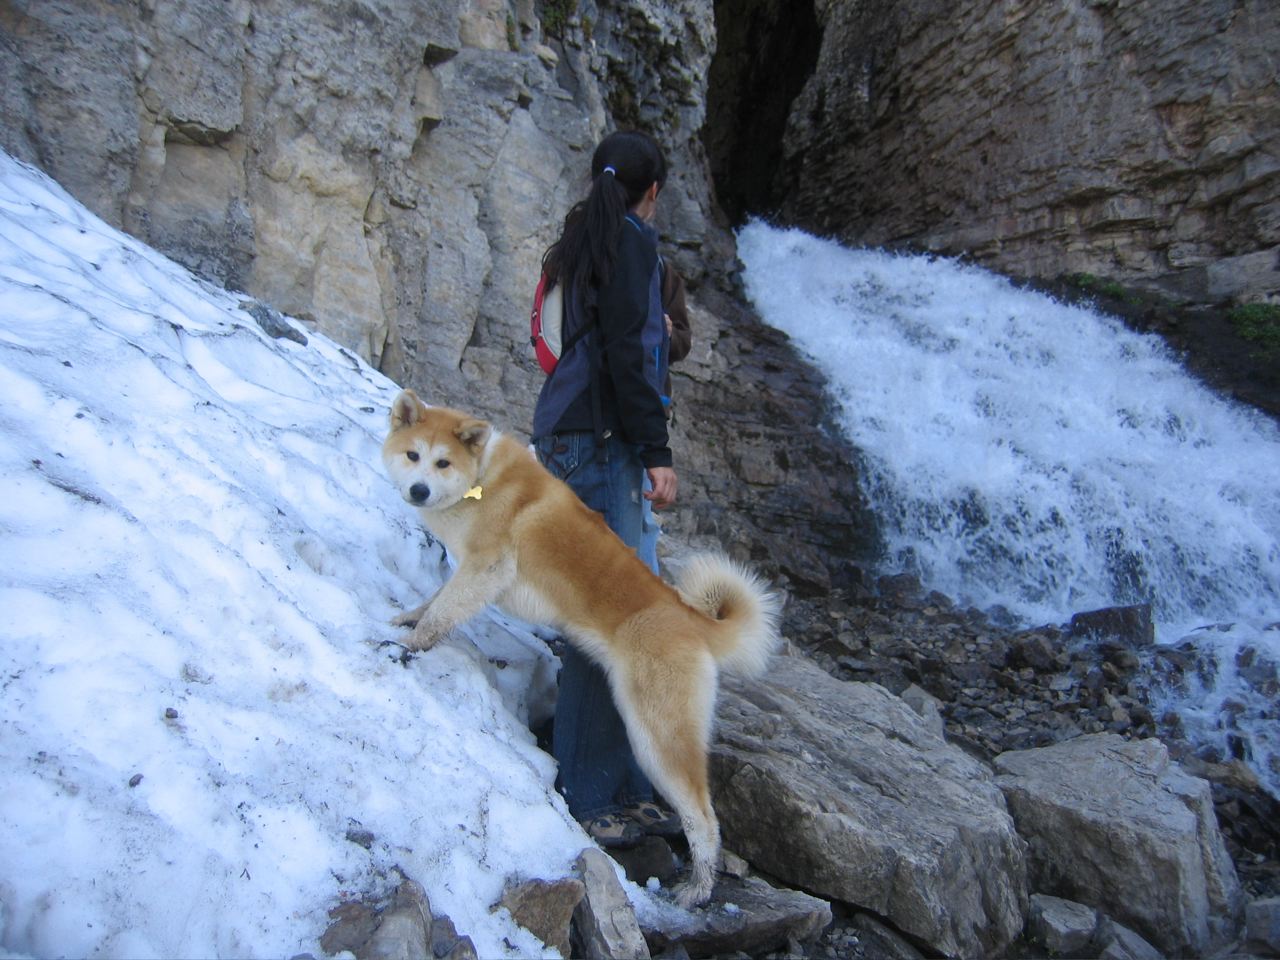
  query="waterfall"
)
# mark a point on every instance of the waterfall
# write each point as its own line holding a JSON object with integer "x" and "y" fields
{"x": 1041, "y": 457}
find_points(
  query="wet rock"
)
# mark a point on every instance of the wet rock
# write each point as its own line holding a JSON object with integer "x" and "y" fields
{"x": 1033, "y": 650}
{"x": 1113, "y": 824}
{"x": 902, "y": 589}
{"x": 1132, "y": 625}
{"x": 843, "y": 790}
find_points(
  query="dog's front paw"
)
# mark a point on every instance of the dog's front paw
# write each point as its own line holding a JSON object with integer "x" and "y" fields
{"x": 409, "y": 618}
{"x": 425, "y": 636}
{"x": 689, "y": 896}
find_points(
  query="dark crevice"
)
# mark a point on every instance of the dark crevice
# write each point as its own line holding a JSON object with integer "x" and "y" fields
{"x": 766, "y": 50}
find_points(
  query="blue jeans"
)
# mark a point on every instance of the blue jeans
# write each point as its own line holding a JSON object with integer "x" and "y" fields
{"x": 598, "y": 770}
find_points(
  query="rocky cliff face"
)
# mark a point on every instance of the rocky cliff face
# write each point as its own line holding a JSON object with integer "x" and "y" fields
{"x": 1138, "y": 141}
{"x": 392, "y": 172}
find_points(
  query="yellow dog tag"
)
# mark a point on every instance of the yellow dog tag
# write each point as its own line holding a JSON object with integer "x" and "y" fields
{"x": 473, "y": 494}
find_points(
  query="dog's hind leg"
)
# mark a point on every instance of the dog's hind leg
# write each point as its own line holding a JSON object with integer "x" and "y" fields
{"x": 668, "y": 716}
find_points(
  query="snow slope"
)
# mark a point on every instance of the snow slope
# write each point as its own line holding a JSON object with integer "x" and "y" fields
{"x": 199, "y": 555}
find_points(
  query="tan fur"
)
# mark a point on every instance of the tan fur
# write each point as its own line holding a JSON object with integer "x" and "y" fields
{"x": 530, "y": 546}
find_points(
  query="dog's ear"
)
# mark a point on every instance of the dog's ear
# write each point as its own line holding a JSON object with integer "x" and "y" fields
{"x": 406, "y": 409}
{"x": 473, "y": 433}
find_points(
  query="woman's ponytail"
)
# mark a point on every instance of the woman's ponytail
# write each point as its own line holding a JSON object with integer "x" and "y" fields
{"x": 623, "y": 168}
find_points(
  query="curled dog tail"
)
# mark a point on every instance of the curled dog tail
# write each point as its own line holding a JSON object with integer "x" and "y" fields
{"x": 745, "y": 610}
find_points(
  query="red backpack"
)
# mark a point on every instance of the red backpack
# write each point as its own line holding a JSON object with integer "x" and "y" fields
{"x": 546, "y": 323}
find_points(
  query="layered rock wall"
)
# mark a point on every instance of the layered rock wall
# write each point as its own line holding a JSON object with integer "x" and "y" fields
{"x": 392, "y": 171}
{"x": 1133, "y": 140}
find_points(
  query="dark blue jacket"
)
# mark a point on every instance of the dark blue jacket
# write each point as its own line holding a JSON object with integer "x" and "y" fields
{"x": 631, "y": 345}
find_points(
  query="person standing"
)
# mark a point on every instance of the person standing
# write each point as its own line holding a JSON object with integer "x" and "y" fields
{"x": 600, "y": 425}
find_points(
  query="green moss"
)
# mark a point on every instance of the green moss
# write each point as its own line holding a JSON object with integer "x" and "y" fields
{"x": 1259, "y": 323}
{"x": 556, "y": 15}
{"x": 1101, "y": 286}
{"x": 512, "y": 42}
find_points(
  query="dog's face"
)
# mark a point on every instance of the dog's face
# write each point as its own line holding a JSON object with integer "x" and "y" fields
{"x": 432, "y": 454}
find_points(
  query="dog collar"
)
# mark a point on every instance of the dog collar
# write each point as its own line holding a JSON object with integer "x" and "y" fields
{"x": 474, "y": 493}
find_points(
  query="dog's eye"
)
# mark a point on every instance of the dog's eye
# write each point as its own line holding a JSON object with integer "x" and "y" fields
{"x": 442, "y": 464}
{"x": 412, "y": 455}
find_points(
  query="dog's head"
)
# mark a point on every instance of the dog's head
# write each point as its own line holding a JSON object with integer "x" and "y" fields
{"x": 433, "y": 455}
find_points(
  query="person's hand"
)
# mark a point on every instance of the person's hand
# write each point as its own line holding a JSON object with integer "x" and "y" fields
{"x": 663, "y": 480}
{"x": 670, "y": 326}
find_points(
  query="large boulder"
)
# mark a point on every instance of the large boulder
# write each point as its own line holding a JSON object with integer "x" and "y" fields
{"x": 845, "y": 791}
{"x": 1113, "y": 824}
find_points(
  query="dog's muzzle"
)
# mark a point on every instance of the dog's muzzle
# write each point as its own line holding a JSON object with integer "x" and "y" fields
{"x": 419, "y": 493}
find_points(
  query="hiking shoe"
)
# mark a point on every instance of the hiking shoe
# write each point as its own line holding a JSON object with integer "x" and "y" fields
{"x": 612, "y": 831}
{"x": 653, "y": 820}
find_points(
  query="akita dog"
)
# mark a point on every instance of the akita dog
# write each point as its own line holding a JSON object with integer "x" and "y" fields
{"x": 524, "y": 541}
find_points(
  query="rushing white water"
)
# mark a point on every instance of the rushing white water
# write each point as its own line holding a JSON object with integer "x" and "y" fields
{"x": 1037, "y": 456}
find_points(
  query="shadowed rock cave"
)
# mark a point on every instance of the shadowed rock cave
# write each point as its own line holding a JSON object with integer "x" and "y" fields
{"x": 766, "y": 50}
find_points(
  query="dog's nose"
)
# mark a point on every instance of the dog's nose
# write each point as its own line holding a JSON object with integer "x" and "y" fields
{"x": 419, "y": 492}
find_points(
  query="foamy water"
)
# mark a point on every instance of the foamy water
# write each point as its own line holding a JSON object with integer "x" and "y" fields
{"x": 1038, "y": 456}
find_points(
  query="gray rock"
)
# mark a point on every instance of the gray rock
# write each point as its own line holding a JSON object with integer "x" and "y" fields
{"x": 1064, "y": 927}
{"x": 447, "y": 944}
{"x": 1262, "y": 925}
{"x": 1115, "y": 941}
{"x": 744, "y": 915}
{"x": 545, "y": 908}
{"x": 463, "y": 949}
{"x": 604, "y": 921}
{"x": 843, "y": 790}
{"x": 927, "y": 705}
{"x": 881, "y": 941}
{"x": 404, "y": 929}
{"x": 1113, "y": 824}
